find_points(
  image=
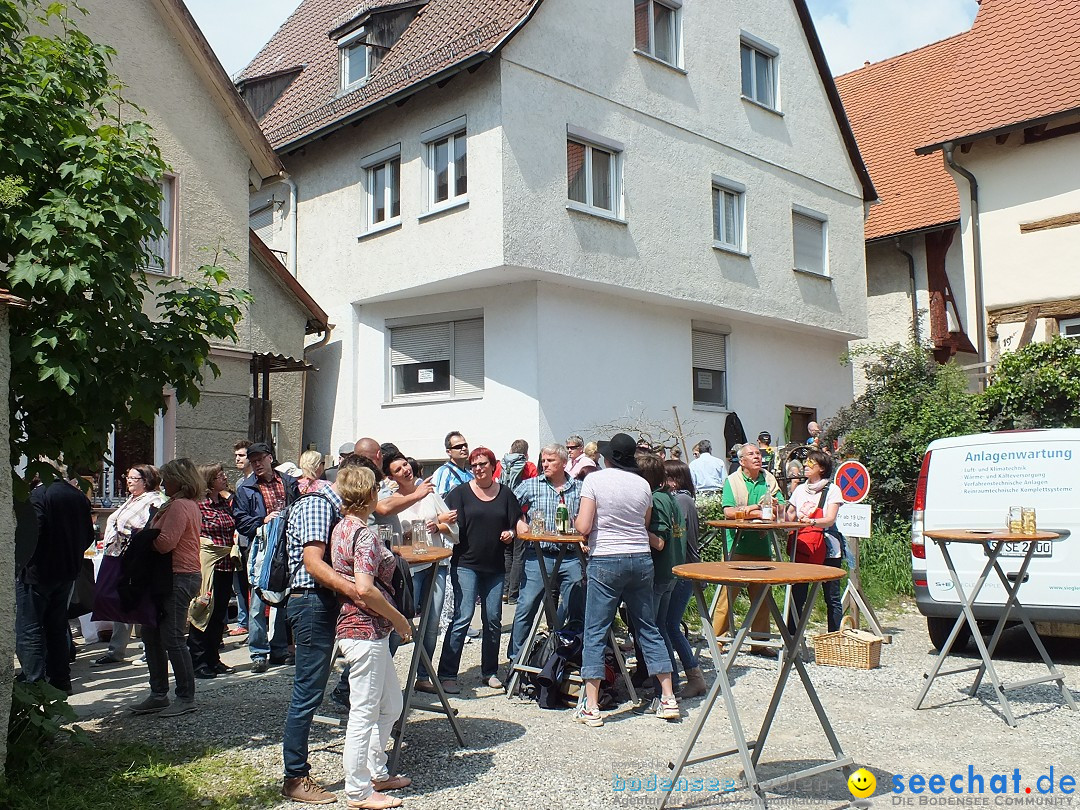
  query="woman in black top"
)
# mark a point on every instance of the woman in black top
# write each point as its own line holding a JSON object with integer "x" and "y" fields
{"x": 487, "y": 513}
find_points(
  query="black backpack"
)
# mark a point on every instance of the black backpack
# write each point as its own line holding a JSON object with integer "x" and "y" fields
{"x": 401, "y": 582}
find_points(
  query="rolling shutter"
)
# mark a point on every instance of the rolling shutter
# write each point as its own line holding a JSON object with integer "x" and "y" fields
{"x": 709, "y": 351}
{"x": 468, "y": 367}
{"x": 808, "y": 237}
{"x": 262, "y": 222}
{"x": 423, "y": 343}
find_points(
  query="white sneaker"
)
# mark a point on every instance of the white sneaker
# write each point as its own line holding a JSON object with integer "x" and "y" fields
{"x": 667, "y": 708}
{"x": 589, "y": 717}
{"x": 494, "y": 682}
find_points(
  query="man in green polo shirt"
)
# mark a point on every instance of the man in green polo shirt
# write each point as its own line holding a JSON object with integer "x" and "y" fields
{"x": 744, "y": 490}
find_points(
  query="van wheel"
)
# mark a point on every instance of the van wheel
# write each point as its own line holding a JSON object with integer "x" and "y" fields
{"x": 939, "y": 629}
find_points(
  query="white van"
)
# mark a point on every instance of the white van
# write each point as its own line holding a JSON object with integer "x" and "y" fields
{"x": 969, "y": 482}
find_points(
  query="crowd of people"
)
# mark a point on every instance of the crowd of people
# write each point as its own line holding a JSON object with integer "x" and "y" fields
{"x": 635, "y": 511}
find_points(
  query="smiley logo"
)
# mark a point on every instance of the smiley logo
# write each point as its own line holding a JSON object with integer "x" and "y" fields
{"x": 861, "y": 783}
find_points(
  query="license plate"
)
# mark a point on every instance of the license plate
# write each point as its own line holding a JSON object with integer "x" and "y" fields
{"x": 1043, "y": 548}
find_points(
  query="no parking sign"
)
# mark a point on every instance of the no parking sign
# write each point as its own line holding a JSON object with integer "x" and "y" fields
{"x": 853, "y": 480}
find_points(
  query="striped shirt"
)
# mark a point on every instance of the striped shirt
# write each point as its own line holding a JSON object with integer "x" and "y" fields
{"x": 310, "y": 519}
{"x": 448, "y": 476}
{"x": 538, "y": 493}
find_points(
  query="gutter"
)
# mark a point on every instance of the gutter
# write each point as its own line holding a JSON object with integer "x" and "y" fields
{"x": 286, "y": 178}
{"x": 976, "y": 236}
{"x": 914, "y": 289}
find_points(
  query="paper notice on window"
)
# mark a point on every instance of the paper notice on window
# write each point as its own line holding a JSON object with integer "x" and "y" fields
{"x": 425, "y": 375}
{"x": 704, "y": 380}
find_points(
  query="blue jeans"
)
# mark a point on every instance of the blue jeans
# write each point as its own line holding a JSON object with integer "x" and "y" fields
{"x": 680, "y": 598}
{"x": 240, "y": 588}
{"x": 166, "y": 644}
{"x": 621, "y": 578}
{"x": 313, "y": 618}
{"x": 531, "y": 595}
{"x": 420, "y": 580}
{"x": 259, "y": 643}
{"x": 662, "y": 600}
{"x": 468, "y": 584}
{"x": 41, "y": 631}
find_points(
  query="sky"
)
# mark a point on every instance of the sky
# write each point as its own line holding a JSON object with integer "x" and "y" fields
{"x": 852, "y": 31}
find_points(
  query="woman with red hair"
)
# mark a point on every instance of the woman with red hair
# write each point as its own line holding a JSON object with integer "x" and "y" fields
{"x": 486, "y": 514}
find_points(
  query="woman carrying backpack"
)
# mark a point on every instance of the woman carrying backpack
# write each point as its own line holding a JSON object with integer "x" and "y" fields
{"x": 816, "y": 503}
{"x": 363, "y": 634}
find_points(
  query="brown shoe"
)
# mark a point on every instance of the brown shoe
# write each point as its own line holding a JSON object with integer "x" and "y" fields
{"x": 307, "y": 790}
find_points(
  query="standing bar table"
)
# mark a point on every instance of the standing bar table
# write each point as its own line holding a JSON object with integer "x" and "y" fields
{"x": 744, "y": 573}
{"x": 993, "y": 543}
{"x": 567, "y": 542}
{"x": 746, "y": 524}
{"x": 431, "y": 555}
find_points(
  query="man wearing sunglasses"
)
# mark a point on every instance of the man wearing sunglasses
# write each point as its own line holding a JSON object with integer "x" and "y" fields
{"x": 455, "y": 471}
{"x": 579, "y": 464}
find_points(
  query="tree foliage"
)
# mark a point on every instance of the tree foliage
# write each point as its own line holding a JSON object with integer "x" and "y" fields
{"x": 909, "y": 401}
{"x": 97, "y": 340}
{"x": 1036, "y": 387}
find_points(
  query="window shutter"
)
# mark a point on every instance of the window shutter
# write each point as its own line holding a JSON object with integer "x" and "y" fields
{"x": 469, "y": 358}
{"x": 709, "y": 351}
{"x": 424, "y": 343}
{"x": 808, "y": 239}
{"x": 262, "y": 222}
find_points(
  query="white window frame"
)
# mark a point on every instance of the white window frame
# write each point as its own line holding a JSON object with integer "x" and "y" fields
{"x": 463, "y": 326}
{"x": 344, "y": 47}
{"x": 164, "y": 247}
{"x": 675, "y": 7}
{"x": 725, "y": 186}
{"x": 719, "y": 334}
{"x": 450, "y": 132}
{"x": 592, "y": 142}
{"x": 382, "y": 158}
{"x": 772, "y": 53}
{"x": 1065, "y": 324}
{"x": 823, "y": 220}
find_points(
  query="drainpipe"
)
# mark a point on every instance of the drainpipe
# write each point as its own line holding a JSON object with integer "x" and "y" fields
{"x": 288, "y": 181}
{"x": 914, "y": 289}
{"x": 976, "y": 236}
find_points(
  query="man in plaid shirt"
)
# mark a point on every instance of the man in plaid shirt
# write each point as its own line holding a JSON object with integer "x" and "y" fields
{"x": 544, "y": 492}
{"x": 263, "y": 495}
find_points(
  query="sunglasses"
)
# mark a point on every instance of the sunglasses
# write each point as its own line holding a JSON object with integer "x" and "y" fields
{"x": 573, "y": 447}
{"x": 459, "y": 447}
{"x": 479, "y": 465}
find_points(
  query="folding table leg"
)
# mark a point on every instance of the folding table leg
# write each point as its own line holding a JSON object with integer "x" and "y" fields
{"x": 549, "y": 610}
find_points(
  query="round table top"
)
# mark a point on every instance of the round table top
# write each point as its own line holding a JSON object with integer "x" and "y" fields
{"x": 431, "y": 554}
{"x": 986, "y": 535}
{"x": 553, "y": 538}
{"x": 752, "y": 572}
{"x": 758, "y": 525}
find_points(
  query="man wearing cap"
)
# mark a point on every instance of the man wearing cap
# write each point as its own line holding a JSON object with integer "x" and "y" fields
{"x": 768, "y": 453}
{"x": 263, "y": 495}
{"x": 346, "y": 450}
{"x": 744, "y": 491}
{"x": 706, "y": 470}
{"x": 240, "y": 580}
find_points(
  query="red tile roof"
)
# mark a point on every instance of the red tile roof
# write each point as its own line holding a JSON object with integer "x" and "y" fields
{"x": 445, "y": 35}
{"x": 891, "y": 106}
{"x": 1017, "y": 64}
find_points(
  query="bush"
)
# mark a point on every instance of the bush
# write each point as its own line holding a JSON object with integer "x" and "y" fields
{"x": 39, "y": 713}
{"x": 910, "y": 400}
{"x": 1035, "y": 387}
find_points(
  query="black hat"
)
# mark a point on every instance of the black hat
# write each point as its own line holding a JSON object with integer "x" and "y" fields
{"x": 260, "y": 448}
{"x": 765, "y": 435}
{"x": 619, "y": 452}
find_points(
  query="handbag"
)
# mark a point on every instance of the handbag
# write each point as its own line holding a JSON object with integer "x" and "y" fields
{"x": 108, "y": 605}
{"x": 809, "y": 541}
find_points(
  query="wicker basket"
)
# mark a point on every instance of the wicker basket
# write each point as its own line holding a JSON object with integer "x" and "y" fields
{"x": 848, "y": 648}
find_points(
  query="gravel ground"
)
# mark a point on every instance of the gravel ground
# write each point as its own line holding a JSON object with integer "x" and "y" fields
{"x": 521, "y": 756}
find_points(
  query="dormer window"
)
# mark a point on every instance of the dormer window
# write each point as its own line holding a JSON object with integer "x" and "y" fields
{"x": 359, "y": 58}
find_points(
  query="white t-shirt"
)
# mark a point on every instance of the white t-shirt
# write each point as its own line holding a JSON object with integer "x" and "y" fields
{"x": 424, "y": 510}
{"x": 622, "y": 499}
{"x": 805, "y": 502}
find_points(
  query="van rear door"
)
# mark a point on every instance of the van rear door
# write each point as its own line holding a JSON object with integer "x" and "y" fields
{"x": 972, "y": 482}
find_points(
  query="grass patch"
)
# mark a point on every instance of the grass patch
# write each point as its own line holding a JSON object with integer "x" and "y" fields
{"x": 128, "y": 776}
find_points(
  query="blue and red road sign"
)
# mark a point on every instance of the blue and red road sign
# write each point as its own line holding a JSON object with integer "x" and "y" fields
{"x": 853, "y": 479}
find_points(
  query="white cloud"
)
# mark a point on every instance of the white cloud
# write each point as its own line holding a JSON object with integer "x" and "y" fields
{"x": 237, "y": 29}
{"x": 856, "y": 31}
